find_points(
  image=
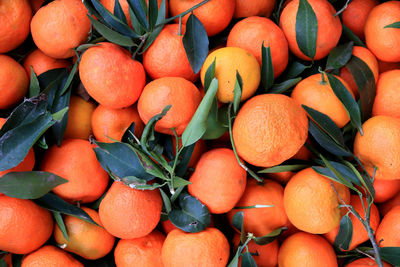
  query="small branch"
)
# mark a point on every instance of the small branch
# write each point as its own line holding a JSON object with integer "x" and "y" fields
{"x": 343, "y": 8}
{"x": 365, "y": 254}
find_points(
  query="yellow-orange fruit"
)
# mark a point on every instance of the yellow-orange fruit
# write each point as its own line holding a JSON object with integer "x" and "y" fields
{"x": 388, "y": 232}
{"x": 50, "y": 256}
{"x": 387, "y": 95}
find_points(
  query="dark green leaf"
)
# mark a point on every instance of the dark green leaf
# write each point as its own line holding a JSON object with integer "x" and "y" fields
{"x": 16, "y": 260}
{"x": 61, "y": 225}
{"x": 168, "y": 20}
{"x": 140, "y": 13}
{"x": 55, "y": 203}
{"x": 347, "y": 100}
{"x": 60, "y": 103}
{"x": 345, "y": 234}
{"x": 139, "y": 29}
{"x": 247, "y": 260}
{"x": 342, "y": 169}
{"x": 148, "y": 164}
{"x": 295, "y": 69}
{"x": 306, "y": 29}
{"x": 192, "y": 216}
{"x": 267, "y": 69}
{"x": 166, "y": 201}
{"x": 156, "y": 31}
{"x": 119, "y": 12}
{"x": 128, "y": 136}
{"x": 185, "y": 156}
{"x": 237, "y": 220}
{"x": 339, "y": 56}
{"x": 215, "y": 129}
{"x": 34, "y": 88}
{"x": 390, "y": 255}
{"x": 235, "y": 260}
{"x": 352, "y": 37}
{"x": 280, "y": 88}
{"x": 198, "y": 124}
{"x": 70, "y": 78}
{"x": 266, "y": 239}
{"x": 237, "y": 96}
{"x": 195, "y": 42}
{"x": 3, "y": 263}
{"x": 30, "y": 184}
{"x": 210, "y": 75}
{"x": 395, "y": 25}
{"x": 153, "y": 13}
{"x": 285, "y": 168}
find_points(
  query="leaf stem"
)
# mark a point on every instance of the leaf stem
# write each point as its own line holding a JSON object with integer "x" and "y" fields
{"x": 142, "y": 42}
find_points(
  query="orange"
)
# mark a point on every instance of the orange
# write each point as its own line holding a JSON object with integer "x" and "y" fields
{"x": 269, "y": 129}
{"x": 360, "y": 235}
{"x": 166, "y": 57}
{"x": 85, "y": 239}
{"x": 365, "y": 55}
{"x": 108, "y": 122}
{"x": 387, "y": 99}
{"x": 383, "y": 42}
{"x": 312, "y": 203}
{"x": 218, "y": 180}
{"x": 36, "y": 4}
{"x": 380, "y": 147}
{"x": 76, "y": 161}
{"x": 318, "y": 94}
{"x": 130, "y": 213}
{"x": 356, "y": 14}
{"x": 24, "y": 226}
{"x": 385, "y": 189}
{"x": 214, "y": 15}
{"x": 59, "y": 27}
{"x": 13, "y": 82}
{"x": 251, "y": 32}
{"x": 41, "y": 63}
{"x": 387, "y": 206}
{"x": 329, "y": 27}
{"x": 144, "y": 251}
{"x": 306, "y": 248}
{"x": 228, "y": 61}
{"x": 388, "y": 232}
{"x": 50, "y": 256}
{"x": 365, "y": 262}
{"x": 199, "y": 148}
{"x": 182, "y": 95}
{"x": 206, "y": 248}
{"x": 386, "y": 66}
{"x": 111, "y": 76}
{"x": 262, "y": 220}
{"x": 264, "y": 256}
{"x": 79, "y": 116}
{"x": 246, "y": 9}
{"x": 15, "y": 17}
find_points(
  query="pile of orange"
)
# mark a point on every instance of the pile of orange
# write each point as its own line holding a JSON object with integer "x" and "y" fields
{"x": 285, "y": 158}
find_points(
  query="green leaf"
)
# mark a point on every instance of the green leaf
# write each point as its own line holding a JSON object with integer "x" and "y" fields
{"x": 16, "y": 260}
{"x": 286, "y": 167}
{"x": 237, "y": 220}
{"x": 185, "y": 155}
{"x": 30, "y": 184}
{"x": 247, "y": 260}
{"x": 198, "y": 124}
{"x": 54, "y": 203}
{"x": 148, "y": 164}
{"x": 345, "y": 234}
{"x": 344, "y": 171}
{"x": 195, "y": 42}
{"x": 306, "y": 29}
{"x": 153, "y": 13}
{"x": 235, "y": 260}
{"x": 339, "y": 56}
{"x": 168, "y": 20}
{"x": 34, "y": 88}
{"x": 390, "y": 255}
{"x": 60, "y": 222}
{"x": 179, "y": 182}
{"x": 215, "y": 129}
{"x": 237, "y": 92}
{"x": 352, "y": 37}
{"x": 192, "y": 216}
{"x": 365, "y": 82}
{"x": 119, "y": 12}
{"x": 70, "y": 78}
{"x": 395, "y": 25}
{"x": 111, "y": 35}
{"x": 156, "y": 31}
{"x": 210, "y": 75}
{"x": 280, "y": 88}
{"x": 139, "y": 12}
{"x": 266, "y": 239}
{"x": 58, "y": 109}
{"x": 295, "y": 69}
{"x": 347, "y": 100}
{"x": 166, "y": 201}
{"x": 267, "y": 69}
{"x": 3, "y": 263}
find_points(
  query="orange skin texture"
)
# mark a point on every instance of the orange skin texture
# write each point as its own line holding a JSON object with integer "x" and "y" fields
{"x": 261, "y": 221}
{"x": 267, "y": 254}
{"x": 41, "y": 63}
{"x": 389, "y": 229}
{"x": 24, "y": 226}
{"x": 79, "y": 118}
{"x": 228, "y": 61}
{"x": 312, "y": 204}
{"x": 199, "y": 148}
{"x": 269, "y": 129}
{"x": 251, "y": 32}
{"x": 59, "y": 27}
{"x": 144, "y": 251}
{"x": 365, "y": 55}
{"x": 319, "y": 95}
{"x": 15, "y": 17}
{"x": 114, "y": 122}
{"x": 360, "y": 235}
{"x": 111, "y": 76}
{"x": 365, "y": 262}
{"x": 387, "y": 95}
{"x": 214, "y": 15}
{"x": 130, "y": 213}
{"x": 385, "y": 189}
{"x": 206, "y": 248}
{"x": 244, "y": 9}
{"x": 386, "y": 66}
{"x": 380, "y": 147}
{"x": 166, "y": 57}
{"x": 218, "y": 180}
{"x": 387, "y": 206}
{"x": 383, "y": 42}
{"x": 85, "y": 239}
{"x": 76, "y": 161}
{"x": 182, "y": 95}
{"x": 13, "y": 82}
{"x": 50, "y": 256}
{"x": 329, "y": 27}
{"x": 306, "y": 248}
{"x": 356, "y": 14}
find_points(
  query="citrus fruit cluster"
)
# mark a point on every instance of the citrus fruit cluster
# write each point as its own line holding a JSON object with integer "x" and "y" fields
{"x": 199, "y": 133}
